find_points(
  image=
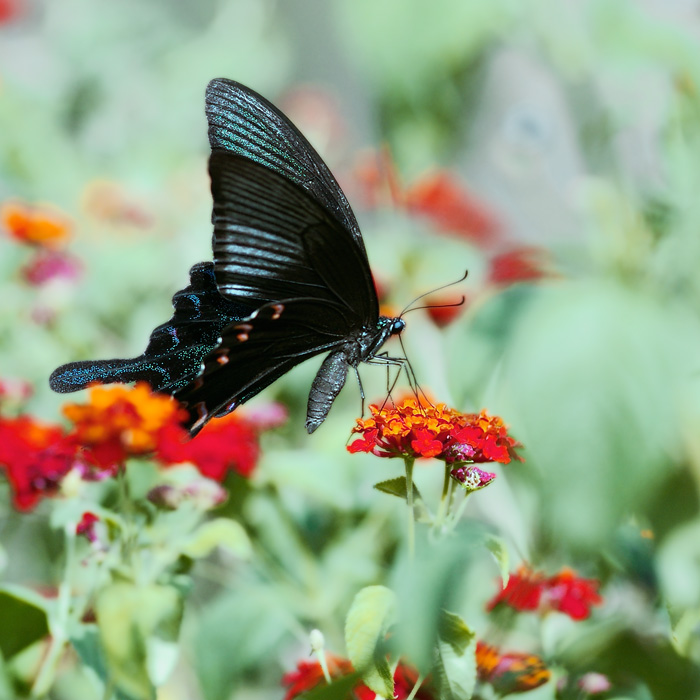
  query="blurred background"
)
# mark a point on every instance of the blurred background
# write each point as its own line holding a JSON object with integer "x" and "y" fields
{"x": 550, "y": 148}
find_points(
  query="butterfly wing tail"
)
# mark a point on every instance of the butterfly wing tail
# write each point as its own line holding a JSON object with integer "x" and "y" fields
{"x": 175, "y": 350}
{"x": 78, "y": 375}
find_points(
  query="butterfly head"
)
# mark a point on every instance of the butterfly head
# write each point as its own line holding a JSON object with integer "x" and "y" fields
{"x": 397, "y": 326}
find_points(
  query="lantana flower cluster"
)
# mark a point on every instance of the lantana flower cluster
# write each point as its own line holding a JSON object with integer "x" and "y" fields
{"x": 47, "y": 232}
{"x": 309, "y": 674}
{"x": 413, "y": 429}
{"x": 115, "y": 424}
{"x": 533, "y": 591}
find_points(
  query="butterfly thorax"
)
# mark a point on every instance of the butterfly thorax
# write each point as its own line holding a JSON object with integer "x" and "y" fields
{"x": 365, "y": 345}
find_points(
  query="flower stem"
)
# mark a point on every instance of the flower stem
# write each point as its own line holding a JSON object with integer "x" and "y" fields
{"x": 408, "y": 462}
{"x": 442, "y": 506}
{"x": 416, "y": 688}
{"x": 58, "y": 622}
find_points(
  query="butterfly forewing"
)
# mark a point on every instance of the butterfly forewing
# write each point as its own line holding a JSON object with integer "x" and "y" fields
{"x": 273, "y": 241}
{"x": 243, "y": 122}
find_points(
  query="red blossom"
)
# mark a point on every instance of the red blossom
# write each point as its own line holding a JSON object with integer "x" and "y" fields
{"x": 511, "y": 672}
{"x": 9, "y": 10}
{"x": 529, "y": 590}
{"x": 48, "y": 265}
{"x": 523, "y": 264}
{"x": 308, "y": 675}
{"x": 413, "y": 429}
{"x": 523, "y": 591}
{"x": 451, "y": 207}
{"x": 86, "y": 526}
{"x": 572, "y": 595}
{"x": 36, "y": 456}
{"x": 228, "y": 443}
{"x": 444, "y": 310}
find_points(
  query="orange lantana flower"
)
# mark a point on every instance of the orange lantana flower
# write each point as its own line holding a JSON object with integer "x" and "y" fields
{"x": 414, "y": 429}
{"x": 35, "y": 225}
{"x": 120, "y": 421}
{"x": 511, "y": 672}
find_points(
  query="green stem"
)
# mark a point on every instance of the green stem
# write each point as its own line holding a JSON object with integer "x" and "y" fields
{"x": 58, "y": 622}
{"x": 416, "y": 688}
{"x": 457, "y": 515}
{"x": 408, "y": 462}
{"x": 442, "y": 506}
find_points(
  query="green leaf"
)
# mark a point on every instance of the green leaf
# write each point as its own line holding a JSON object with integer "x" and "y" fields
{"x": 138, "y": 628}
{"x": 372, "y": 612}
{"x": 497, "y": 547}
{"x": 455, "y": 663}
{"x": 24, "y": 620}
{"x": 220, "y": 532}
{"x": 397, "y": 487}
{"x": 339, "y": 689}
{"x": 87, "y": 645}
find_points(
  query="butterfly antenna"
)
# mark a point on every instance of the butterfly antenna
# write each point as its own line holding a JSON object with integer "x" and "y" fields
{"x": 439, "y": 306}
{"x": 437, "y": 289}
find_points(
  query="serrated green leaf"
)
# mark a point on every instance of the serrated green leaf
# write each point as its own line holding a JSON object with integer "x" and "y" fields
{"x": 135, "y": 624}
{"x": 24, "y": 620}
{"x": 220, "y": 532}
{"x": 372, "y": 612}
{"x": 455, "y": 662}
{"x": 498, "y": 548}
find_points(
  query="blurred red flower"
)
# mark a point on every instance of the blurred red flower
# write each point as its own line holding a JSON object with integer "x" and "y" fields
{"x": 451, "y": 207}
{"x": 227, "y": 443}
{"x": 512, "y": 672}
{"x": 309, "y": 674}
{"x": 86, "y": 526}
{"x": 9, "y": 10}
{"x": 36, "y": 456}
{"x": 529, "y": 590}
{"x": 35, "y": 225}
{"x": 413, "y": 429}
{"x": 524, "y": 264}
{"x": 47, "y": 265}
{"x": 443, "y": 310}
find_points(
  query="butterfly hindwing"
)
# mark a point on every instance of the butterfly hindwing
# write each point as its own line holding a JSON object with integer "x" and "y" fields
{"x": 175, "y": 350}
{"x": 254, "y": 352}
{"x": 243, "y": 122}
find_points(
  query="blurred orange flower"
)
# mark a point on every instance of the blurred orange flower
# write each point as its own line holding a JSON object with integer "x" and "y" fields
{"x": 35, "y": 225}
{"x": 121, "y": 421}
{"x": 512, "y": 672}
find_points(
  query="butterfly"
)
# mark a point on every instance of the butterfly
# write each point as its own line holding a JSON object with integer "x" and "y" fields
{"x": 289, "y": 279}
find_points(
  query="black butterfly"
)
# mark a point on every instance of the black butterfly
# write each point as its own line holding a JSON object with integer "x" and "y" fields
{"x": 290, "y": 277}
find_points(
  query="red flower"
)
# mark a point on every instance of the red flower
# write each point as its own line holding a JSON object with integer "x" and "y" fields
{"x": 9, "y": 10}
{"x": 451, "y": 207}
{"x": 412, "y": 429}
{"x": 443, "y": 310}
{"x": 529, "y": 590}
{"x": 39, "y": 226}
{"x": 524, "y": 264}
{"x": 47, "y": 265}
{"x": 512, "y": 672}
{"x": 308, "y": 675}
{"x": 86, "y": 526}
{"x": 36, "y": 456}
{"x": 523, "y": 591}
{"x": 569, "y": 594}
{"x": 228, "y": 443}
